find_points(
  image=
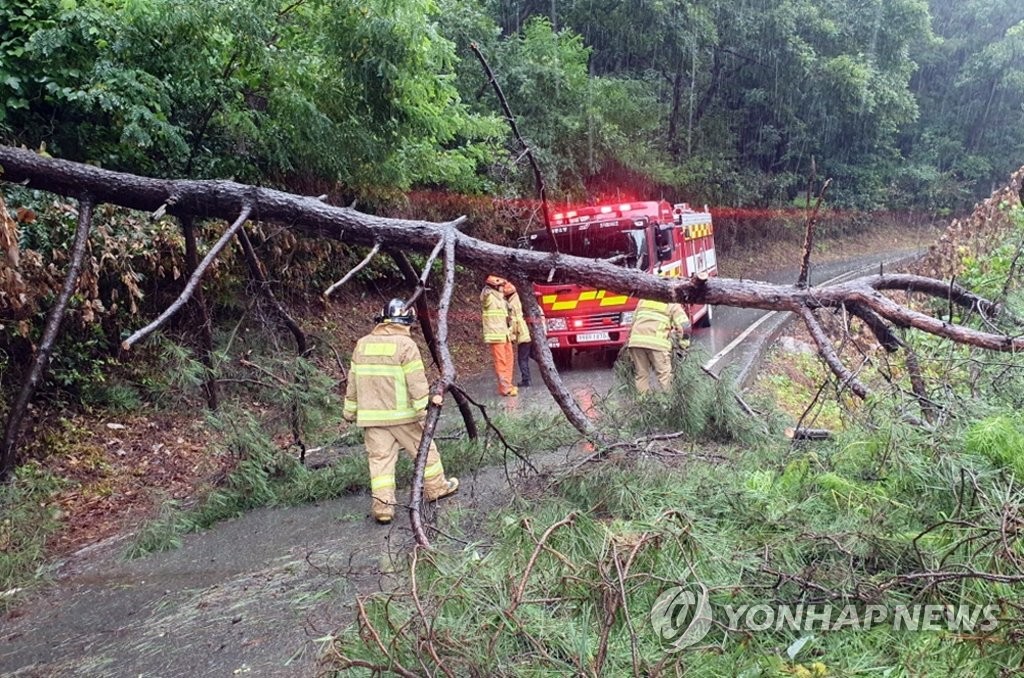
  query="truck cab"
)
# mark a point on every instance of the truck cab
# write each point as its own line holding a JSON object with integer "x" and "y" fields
{"x": 650, "y": 236}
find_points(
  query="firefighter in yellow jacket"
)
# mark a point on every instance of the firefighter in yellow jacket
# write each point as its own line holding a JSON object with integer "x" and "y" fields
{"x": 520, "y": 333}
{"x": 498, "y": 332}
{"x": 387, "y": 397}
{"x": 650, "y": 342}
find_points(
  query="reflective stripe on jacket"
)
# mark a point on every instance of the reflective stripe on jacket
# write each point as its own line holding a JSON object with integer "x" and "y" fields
{"x": 652, "y": 322}
{"x": 387, "y": 384}
{"x": 520, "y": 330}
{"x": 496, "y": 329}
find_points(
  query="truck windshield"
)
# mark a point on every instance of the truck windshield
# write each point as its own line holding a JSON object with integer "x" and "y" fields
{"x": 627, "y": 248}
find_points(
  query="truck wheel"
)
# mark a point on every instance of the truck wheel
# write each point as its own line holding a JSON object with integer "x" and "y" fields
{"x": 705, "y": 321}
{"x": 563, "y": 358}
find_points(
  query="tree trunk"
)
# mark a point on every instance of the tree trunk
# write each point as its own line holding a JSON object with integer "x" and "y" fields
{"x": 188, "y": 229}
{"x": 53, "y": 323}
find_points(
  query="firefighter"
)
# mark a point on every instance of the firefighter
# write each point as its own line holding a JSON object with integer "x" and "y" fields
{"x": 520, "y": 333}
{"x": 497, "y": 332}
{"x": 387, "y": 397}
{"x": 650, "y": 341}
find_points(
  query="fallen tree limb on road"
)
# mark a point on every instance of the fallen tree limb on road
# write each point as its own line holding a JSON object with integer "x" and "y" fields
{"x": 226, "y": 200}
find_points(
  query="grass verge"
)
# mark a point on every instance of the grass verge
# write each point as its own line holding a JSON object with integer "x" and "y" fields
{"x": 28, "y": 519}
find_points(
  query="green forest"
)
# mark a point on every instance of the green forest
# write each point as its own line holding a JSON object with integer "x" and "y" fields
{"x": 904, "y": 103}
{"x": 194, "y": 503}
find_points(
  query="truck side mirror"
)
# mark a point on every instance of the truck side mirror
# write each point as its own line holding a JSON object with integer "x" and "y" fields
{"x": 663, "y": 242}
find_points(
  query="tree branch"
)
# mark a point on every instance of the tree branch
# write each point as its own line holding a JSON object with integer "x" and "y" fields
{"x": 825, "y": 348}
{"x": 193, "y": 282}
{"x": 421, "y": 285}
{"x": 311, "y": 217}
{"x": 538, "y": 336}
{"x": 263, "y": 285}
{"x": 437, "y": 389}
{"x": 538, "y": 177}
{"x": 188, "y": 230}
{"x": 358, "y": 267}
{"x": 812, "y": 222}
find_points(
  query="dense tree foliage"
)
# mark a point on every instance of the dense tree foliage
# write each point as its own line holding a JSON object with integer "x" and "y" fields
{"x": 903, "y": 102}
{"x": 345, "y": 90}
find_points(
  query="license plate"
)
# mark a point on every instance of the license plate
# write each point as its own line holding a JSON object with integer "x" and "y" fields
{"x": 593, "y": 336}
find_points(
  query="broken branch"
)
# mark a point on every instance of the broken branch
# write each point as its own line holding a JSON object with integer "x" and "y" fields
{"x": 193, "y": 282}
{"x": 358, "y": 267}
{"x": 437, "y": 390}
{"x": 828, "y": 352}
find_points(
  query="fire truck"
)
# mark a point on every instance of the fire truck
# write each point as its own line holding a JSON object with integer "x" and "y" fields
{"x": 651, "y": 236}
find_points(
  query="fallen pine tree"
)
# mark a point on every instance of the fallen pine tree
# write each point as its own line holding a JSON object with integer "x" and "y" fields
{"x": 865, "y": 298}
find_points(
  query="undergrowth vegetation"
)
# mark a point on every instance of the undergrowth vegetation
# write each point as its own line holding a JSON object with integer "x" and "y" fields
{"x": 564, "y": 582}
{"x": 27, "y": 521}
{"x": 698, "y": 407}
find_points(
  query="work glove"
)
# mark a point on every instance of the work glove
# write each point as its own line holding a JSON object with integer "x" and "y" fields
{"x": 679, "y": 341}
{"x": 348, "y": 416}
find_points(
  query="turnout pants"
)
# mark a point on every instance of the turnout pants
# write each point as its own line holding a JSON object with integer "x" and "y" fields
{"x": 523, "y": 358}
{"x": 382, "y": 445}
{"x": 503, "y": 359}
{"x": 647, "y": 359}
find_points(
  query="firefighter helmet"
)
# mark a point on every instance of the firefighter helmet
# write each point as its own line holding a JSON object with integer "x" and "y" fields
{"x": 495, "y": 281}
{"x": 395, "y": 311}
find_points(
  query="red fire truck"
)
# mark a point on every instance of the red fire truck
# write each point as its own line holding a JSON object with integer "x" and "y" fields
{"x": 651, "y": 236}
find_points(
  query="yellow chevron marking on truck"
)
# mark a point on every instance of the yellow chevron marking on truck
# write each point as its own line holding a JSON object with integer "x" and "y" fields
{"x": 591, "y": 295}
{"x": 698, "y": 231}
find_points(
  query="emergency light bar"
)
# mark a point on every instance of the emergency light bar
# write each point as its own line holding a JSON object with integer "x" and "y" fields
{"x": 585, "y": 214}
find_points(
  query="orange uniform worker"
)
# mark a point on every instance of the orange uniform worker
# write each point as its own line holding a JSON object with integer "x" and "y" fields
{"x": 387, "y": 397}
{"x": 498, "y": 333}
{"x": 650, "y": 345}
{"x": 520, "y": 333}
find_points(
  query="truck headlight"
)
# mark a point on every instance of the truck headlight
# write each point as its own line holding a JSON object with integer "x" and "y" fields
{"x": 557, "y": 325}
{"x": 627, "y": 318}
